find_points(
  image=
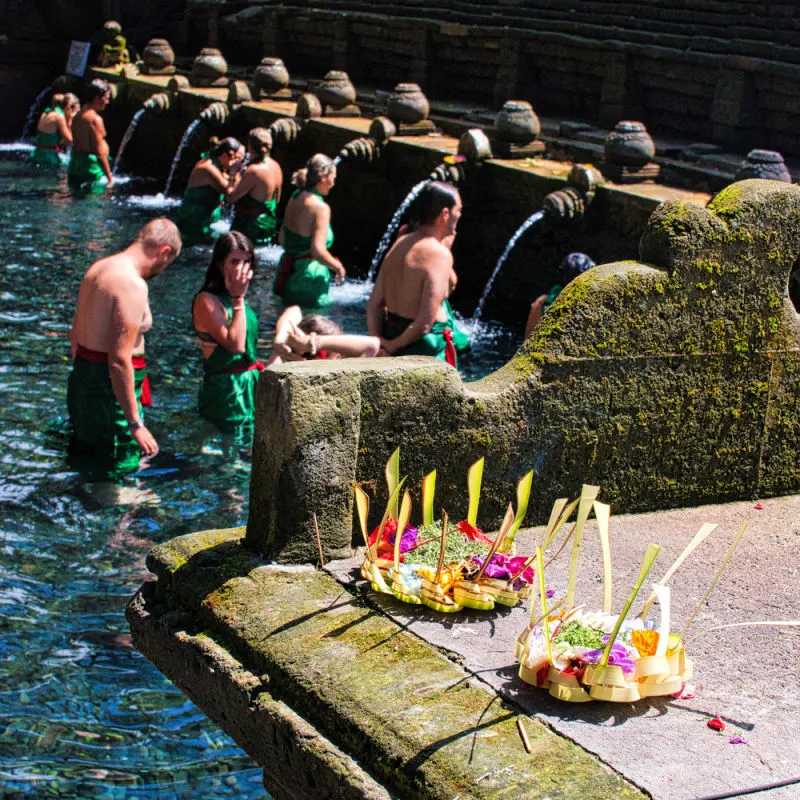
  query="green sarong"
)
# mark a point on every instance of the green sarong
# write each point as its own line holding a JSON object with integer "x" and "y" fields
{"x": 256, "y": 219}
{"x": 45, "y": 154}
{"x": 200, "y": 209}
{"x": 228, "y": 394}
{"x": 437, "y": 343}
{"x": 305, "y": 281}
{"x": 98, "y": 423}
{"x": 85, "y": 171}
{"x": 460, "y": 336}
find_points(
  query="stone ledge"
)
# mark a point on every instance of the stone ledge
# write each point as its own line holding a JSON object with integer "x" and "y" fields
{"x": 419, "y": 724}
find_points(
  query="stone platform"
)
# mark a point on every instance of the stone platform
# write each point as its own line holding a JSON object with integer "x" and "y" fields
{"x": 338, "y": 692}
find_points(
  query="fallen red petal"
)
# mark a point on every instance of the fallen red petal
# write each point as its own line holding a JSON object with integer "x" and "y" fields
{"x": 758, "y": 507}
{"x": 687, "y": 692}
{"x": 716, "y": 724}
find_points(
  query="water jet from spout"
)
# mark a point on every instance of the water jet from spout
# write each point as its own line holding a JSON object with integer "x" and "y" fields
{"x": 387, "y": 237}
{"x": 127, "y": 137}
{"x": 532, "y": 220}
{"x": 187, "y": 135}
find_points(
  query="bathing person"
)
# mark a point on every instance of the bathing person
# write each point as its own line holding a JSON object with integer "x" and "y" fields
{"x": 227, "y": 331}
{"x": 406, "y": 306}
{"x": 211, "y": 181}
{"x": 304, "y": 271}
{"x": 570, "y": 267}
{"x": 51, "y": 132}
{"x": 107, "y": 386}
{"x": 317, "y": 337}
{"x": 258, "y": 193}
{"x": 88, "y": 163}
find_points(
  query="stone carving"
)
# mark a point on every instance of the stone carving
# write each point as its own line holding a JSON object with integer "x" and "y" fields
{"x": 158, "y": 58}
{"x": 597, "y": 394}
{"x": 157, "y": 102}
{"x": 216, "y": 114}
{"x": 517, "y": 122}
{"x": 627, "y": 154}
{"x": 239, "y": 92}
{"x": 272, "y": 78}
{"x": 337, "y": 94}
{"x": 382, "y": 129}
{"x": 308, "y": 106}
{"x": 475, "y": 145}
{"x": 284, "y": 130}
{"x": 629, "y": 145}
{"x": 209, "y": 68}
{"x": 178, "y": 82}
{"x": 766, "y": 164}
{"x": 364, "y": 149}
{"x": 407, "y": 104}
{"x": 115, "y": 46}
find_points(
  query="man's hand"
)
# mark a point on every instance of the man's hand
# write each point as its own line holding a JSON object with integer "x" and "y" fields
{"x": 146, "y": 441}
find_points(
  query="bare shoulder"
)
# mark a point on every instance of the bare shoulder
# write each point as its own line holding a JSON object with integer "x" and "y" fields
{"x": 431, "y": 254}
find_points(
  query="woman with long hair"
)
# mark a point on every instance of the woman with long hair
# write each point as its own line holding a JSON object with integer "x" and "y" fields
{"x": 52, "y": 132}
{"x": 305, "y": 269}
{"x": 211, "y": 181}
{"x": 227, "y": 331}
{"x": 258, "y": 193}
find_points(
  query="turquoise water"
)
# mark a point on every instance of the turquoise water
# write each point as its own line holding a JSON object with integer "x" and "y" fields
{"x": 83, "y": 714}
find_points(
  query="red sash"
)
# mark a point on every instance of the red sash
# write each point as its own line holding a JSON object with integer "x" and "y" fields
{"x": 285, "y": 269}
{"x": 48, "y": 147}
{"x": 248, "y": 211}
{"x": 449, "y": 347}
{"x": 138, "y": 362}
{"x": 243, "y": 368}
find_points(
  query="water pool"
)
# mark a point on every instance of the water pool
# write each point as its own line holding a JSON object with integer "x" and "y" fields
{"x": 84, "y": 715}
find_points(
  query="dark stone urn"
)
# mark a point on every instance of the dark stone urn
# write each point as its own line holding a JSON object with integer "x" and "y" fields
{"x": 271, "y": 77}
{"x": 629, "y": 145}
{"x": 158, "y": 58}
{"x": 407, "y": 104}
{"x": 767, "y": 164}
{"x": 209, "y": 68}
{"x": 517, "y": 122}
{"x": 336, "y": 90}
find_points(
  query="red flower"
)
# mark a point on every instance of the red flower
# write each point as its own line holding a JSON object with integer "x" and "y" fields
{"x": 386, "y": 544}
{"x": 472, "y": 533}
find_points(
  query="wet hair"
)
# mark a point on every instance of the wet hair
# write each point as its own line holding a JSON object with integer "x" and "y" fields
{"x": 160, "y": 232}
{"x": 316, "y": 167}
{"x": 214, "y": 281}
{"x": 322, "y": 326}
{"x": 259, "y": 141}
{"x": 433, "y": 199}
{"x": 59, "y": 100}
{"x": 97, "y": 88}
{"x": 573, "y": 265}
{"x": 71, "y": 100}
{"x": 224, "y": 146}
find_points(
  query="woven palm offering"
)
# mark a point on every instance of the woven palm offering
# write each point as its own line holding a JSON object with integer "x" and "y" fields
{"x": 579, "y": 654}
{"x": 444, "y": 566}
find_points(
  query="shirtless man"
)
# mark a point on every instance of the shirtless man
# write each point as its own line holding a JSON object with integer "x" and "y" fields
{"x": 107, "y": 386}
{"x": 89, "y": 160}
{"x": 405, "y": 308}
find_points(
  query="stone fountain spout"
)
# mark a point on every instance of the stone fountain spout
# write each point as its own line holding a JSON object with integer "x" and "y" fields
{"x": 569, "y": 205}
{"x": 285, "y": 131}
{"x": 451, "y": 170}
{"x": 216, "y": 114}
{"x": 365, "y": 149}
{"x": 159, "y": 102}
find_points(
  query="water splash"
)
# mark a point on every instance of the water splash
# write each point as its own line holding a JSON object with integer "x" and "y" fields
{"x": 337, "y": 160}
{"x": 187, "y": 135}
{"x": 33, "y": 114}
{"x": 149, "y": 201}
{"x": 16, "y": 147}
{"x": 532, "y": 219}
{"x": 350, "y": 292}
{"x": 386, "y": 239}
{"x": 127, "y": 137}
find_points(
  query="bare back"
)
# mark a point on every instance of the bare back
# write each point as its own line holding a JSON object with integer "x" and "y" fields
{"x": 302, "y": 213}
{"x": 263, "y": 181}
{"x": 112, "y": 294}
{"x": 89, "y": 133}
{"x": 416, "y": 270}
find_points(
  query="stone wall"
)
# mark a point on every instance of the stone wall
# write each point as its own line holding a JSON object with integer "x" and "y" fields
{"x": 668, "y": 382}
{"x": 719, "y": 71}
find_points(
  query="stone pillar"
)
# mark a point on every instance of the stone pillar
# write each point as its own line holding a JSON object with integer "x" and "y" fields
{"x": 727, "y": 106}
{"x": 505, "y": 86}
{"x": 418, "y": 68}
{"x": 615, "y": 95}
{"x": 271, "y": 32}
{"x": 340, "y": 30}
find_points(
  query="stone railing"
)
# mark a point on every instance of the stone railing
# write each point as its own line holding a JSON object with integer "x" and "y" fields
{"x": 672, "y": 381}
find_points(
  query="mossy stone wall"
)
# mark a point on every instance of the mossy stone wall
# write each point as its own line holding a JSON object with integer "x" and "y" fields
{"x": 668, "y": 381}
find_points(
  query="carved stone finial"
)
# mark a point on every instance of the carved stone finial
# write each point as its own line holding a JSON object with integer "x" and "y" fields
{"x": 629, "y": 145}
{"x": 209, "y": 68}
{"x": 767, "y": 164}
{"x": 407, "y": 104}
{"x": 158, "y": 58}
{"x": 475, "y": 145}
{"x": 517, "y": 122}
{"x": 271, "y": 79}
